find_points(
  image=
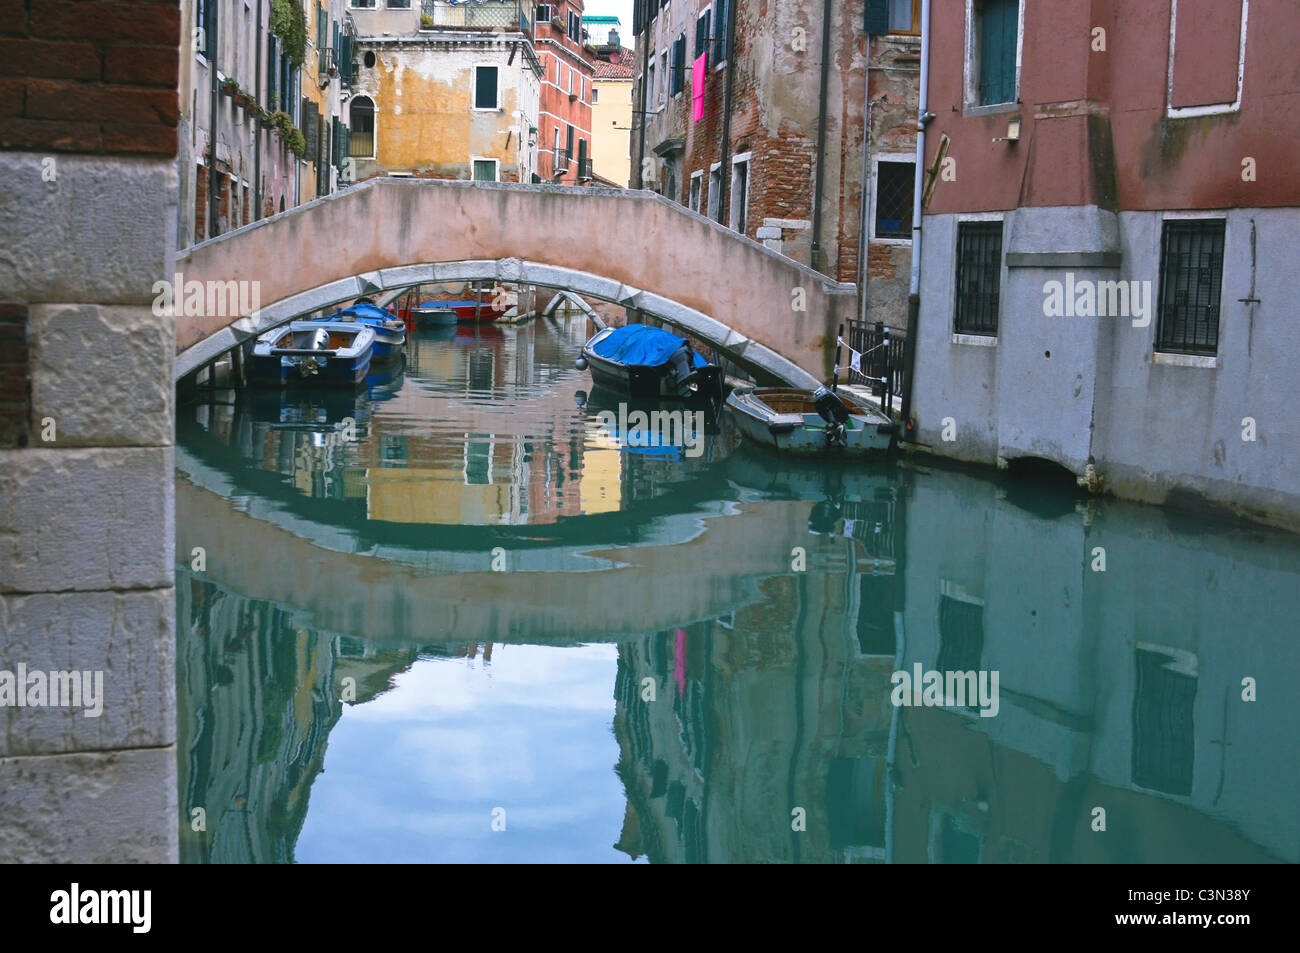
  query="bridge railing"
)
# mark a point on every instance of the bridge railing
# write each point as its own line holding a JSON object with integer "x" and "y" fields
{"x": 882, "y": 359}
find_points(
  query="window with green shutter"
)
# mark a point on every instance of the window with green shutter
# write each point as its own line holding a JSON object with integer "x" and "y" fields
{"x": 997, "y": 23}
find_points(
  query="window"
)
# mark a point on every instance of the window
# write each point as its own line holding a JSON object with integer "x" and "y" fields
{"x": 595, "y": 94}
{"x": 739, "y": 191}
{"x": 1164, "y": 736}
{"x": 696, "y": 179}
{"x": 995, "y": 52}
{"x": 544, "y": 12}
{"x": 678, "y": 81}
{"x": 663, "y": 76}
{"x": 575, "y": 27}
{"x": 361, "y": 117}
{"x": 651, "y": 88}
{"x": 979, "y": 277}
{"x": 715, "y": 190}
{"x": 367, "y": 4}
{"x": 399, "y": 4}
{"x": 568, "y": 144}
{"x": 485, "y": 87}
{"x": 205, "y": 15}
{"x": 555, "y": 152}
{"x": 702, "y": 35}
{"x": 720, "y": 31}
{"x": 893, "y": 194}
{"x": 485, "y": 170}
{"x": 893, "y": 16}
{"x": 1191, "y": 283}
{"x": 584, "y": 168}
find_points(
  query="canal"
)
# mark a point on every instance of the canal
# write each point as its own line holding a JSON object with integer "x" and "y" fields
{"x": 462, "y": 616}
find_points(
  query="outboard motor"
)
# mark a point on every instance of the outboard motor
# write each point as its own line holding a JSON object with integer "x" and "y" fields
{"x": 683, "y": 374}
{"x": 319, "y": 341}
{"x": 836, "y": 415}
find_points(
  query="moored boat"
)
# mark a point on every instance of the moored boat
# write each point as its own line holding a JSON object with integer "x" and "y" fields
{"x": 810, "y": 423}
{"x": 433, "y": 315}
{"x": 390, "y": 331}
{"x": 646, "y": 362}
{"x": 327, "y": 353}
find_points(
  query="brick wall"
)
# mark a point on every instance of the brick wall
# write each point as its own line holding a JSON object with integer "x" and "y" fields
{"x": 15, "y": 383}
{"x": 89, "y": 75}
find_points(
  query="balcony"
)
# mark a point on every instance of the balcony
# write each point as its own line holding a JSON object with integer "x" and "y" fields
{"x": 480, "y": 15}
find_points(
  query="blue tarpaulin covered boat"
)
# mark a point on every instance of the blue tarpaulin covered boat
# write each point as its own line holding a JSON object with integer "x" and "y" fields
{"x": 649, "y": 362}
{"x": 390, "y": 332}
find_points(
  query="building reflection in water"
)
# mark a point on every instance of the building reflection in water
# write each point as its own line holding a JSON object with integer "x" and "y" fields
{"x": 1119, "y": 689}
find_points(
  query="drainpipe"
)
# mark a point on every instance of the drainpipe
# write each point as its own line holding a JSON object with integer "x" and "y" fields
{"x": 914, "y": 291}
{"x": 864, "y": 203}
{"x": 257, "y": 126}
{"x": 211, "y": 48}
{"x": 723, "y": 177}
{"x": 821, "y": 137}
{"x": 640, "y": 142}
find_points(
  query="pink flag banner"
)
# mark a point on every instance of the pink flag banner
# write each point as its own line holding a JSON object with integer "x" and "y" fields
{"x": 698, "y": 72}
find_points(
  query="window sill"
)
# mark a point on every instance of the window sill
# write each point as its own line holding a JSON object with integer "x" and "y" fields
{"x": 976, "y": 340}
{"x": 889, "y": 241}
{"x": 1184, "y": 360}
{"x": 990, "y": 110}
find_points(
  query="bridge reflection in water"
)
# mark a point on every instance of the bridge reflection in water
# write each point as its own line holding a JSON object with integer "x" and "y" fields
{"x": 368, "y": 557}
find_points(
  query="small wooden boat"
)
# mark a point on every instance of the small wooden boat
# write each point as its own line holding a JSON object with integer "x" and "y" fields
{"x": 433, "y": 315}
{"x": 390, "y": 331}
{"x": 647, "y": 363}
{"x": 326, "y": 353}
{"x": 810, "y": 423}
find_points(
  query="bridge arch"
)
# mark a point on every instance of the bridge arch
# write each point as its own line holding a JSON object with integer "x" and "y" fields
{"x": 632, "y": 248}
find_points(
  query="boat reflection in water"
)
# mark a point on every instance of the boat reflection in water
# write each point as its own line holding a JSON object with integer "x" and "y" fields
{"x": 737, "y": 623}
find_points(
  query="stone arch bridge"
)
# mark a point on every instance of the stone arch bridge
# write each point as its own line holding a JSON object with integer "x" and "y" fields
{"x": 633, "y": 248}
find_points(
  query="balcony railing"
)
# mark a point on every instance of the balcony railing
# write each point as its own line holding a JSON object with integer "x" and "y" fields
{"x": 476, "y": 15}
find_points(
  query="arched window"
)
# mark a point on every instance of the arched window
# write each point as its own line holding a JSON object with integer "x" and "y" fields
{"x": 362, "y": 124}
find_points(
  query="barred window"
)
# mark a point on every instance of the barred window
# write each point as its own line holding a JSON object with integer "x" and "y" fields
{"x": 979, "y": 277}
{"x": 1191, "y": 283}
{"x": 894, "y": 193}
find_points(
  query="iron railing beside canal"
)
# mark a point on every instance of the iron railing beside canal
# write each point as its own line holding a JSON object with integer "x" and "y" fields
{"x": 882, "y": 359}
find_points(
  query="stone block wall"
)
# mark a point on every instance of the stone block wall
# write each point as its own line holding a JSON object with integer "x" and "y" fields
{"x": 88, "y": 185}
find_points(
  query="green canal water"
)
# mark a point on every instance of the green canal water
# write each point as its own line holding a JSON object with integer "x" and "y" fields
{"x": 460, "y": 617}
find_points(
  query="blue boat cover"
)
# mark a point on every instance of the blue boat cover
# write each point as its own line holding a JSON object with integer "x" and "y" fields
{"x": 641, "y": 345}
{"x": 452, "y": 305}
{"x": 368, "y": 312}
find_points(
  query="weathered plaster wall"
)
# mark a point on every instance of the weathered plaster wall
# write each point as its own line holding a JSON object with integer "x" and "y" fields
{"x": 425, "y": 120}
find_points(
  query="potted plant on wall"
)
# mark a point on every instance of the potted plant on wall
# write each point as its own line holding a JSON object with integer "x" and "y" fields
{"x": 228, "y": 86}
{"x": 426, "y": 22}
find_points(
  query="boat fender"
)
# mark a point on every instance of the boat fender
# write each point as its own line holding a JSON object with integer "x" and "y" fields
{"x": 580, "y": 363}
{"x": 320, "y": 340}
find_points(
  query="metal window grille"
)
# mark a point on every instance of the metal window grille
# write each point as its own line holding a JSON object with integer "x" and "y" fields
{"x": 894, "y": 193}
{"x": 979, "y": 277}
{"x": 1191, "y": 282}
{"x": 1164, "y": 738}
